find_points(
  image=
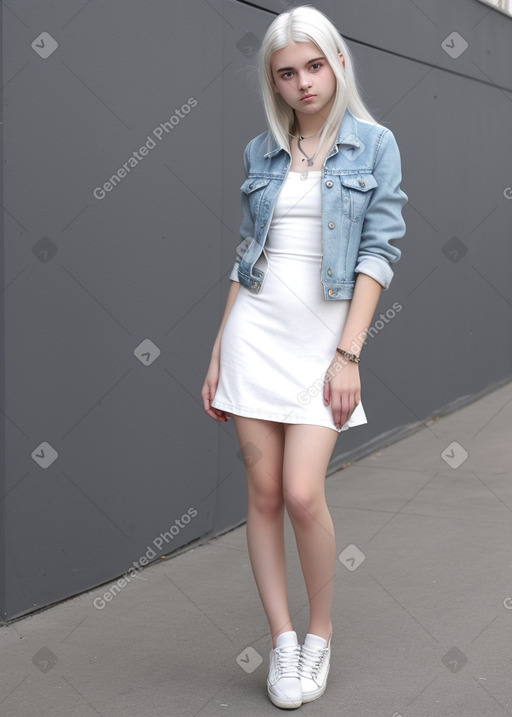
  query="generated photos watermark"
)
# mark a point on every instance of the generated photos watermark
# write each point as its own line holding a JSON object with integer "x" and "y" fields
{"x": 163, "y": 130}
{"x": 305, "y": 397}
{"x": 454, "y": 455}
{"x": 160, "y": 542}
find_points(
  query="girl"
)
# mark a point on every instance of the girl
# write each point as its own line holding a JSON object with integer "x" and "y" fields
{"x": 321, "y": 204}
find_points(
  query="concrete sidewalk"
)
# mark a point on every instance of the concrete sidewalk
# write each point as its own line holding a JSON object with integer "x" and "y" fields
{"x": 422, "y": 609}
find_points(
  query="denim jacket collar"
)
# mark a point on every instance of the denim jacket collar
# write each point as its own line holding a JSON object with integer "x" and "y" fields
{"x": 347, "y": 134}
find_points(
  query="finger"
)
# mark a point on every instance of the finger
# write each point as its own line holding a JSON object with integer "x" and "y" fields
{"x": 336, "y": 410}
{"x": 217, "y": 415}
{"x": 206, "y": 402}
{"x": 343, "y": 412}
{"x": 208, "y": 393}
{"x": 327, "y": 392}
{"x": 220, "y": 415}
{"x": 350, "y": 406}
{"x": 347, "y": 407}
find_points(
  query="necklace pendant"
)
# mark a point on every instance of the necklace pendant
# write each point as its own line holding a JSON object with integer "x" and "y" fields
{"x": 310, "y": 161}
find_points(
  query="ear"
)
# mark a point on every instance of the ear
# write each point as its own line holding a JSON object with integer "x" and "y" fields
{"x": 342, "y": 58}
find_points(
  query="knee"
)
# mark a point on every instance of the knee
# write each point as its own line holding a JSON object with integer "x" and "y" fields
{"x": 304, "y": 506}
{"x": 268, "y": 501}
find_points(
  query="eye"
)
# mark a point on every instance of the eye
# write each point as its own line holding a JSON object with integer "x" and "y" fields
{"x": 317, "y": 65}
{"x": 287, "y": 75}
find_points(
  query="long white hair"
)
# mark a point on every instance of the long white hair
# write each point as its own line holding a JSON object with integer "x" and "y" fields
{"x": 307, "y": 24}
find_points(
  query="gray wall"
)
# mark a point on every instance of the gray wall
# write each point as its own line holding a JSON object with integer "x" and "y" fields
{"x": 88, "y": 281}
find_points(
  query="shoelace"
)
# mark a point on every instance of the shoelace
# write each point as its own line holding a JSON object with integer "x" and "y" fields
{"x": 287, "y": 660}
{"x": 311, "y": 661}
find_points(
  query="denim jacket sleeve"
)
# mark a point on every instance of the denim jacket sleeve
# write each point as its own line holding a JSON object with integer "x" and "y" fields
{"x": 383, "y": 222}
{"x": 246, "y": 227}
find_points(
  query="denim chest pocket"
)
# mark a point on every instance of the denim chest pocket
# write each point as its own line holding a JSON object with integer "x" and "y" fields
{"x": 356, "y": 194}
{"x": 254, "y": 188}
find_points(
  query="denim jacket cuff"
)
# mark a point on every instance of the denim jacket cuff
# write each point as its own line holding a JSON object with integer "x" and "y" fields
{"x": 379, "y": 269}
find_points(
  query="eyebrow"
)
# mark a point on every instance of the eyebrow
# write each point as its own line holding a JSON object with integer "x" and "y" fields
{"x": 315, "y": 59}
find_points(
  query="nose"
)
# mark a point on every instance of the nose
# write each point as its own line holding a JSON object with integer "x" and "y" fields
{"x": 304, "y": 81}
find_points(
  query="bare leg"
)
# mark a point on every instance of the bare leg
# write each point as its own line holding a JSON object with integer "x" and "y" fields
{"x": 307, "y": 453}
{"x": 262, "y": 444}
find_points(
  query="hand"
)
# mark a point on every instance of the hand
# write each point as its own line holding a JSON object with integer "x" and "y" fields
{"x": 342, "y": 389}
{"x": 208, "y": 391}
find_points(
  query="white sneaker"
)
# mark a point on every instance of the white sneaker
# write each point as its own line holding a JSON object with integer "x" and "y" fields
{"x": 283, "y": 682}
{"x": 314, "y": 666}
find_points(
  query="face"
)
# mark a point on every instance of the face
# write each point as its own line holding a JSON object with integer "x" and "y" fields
{"x": 304, "y": 78}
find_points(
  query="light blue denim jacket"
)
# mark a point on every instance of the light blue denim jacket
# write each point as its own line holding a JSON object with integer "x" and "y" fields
{"x": 361, "y": 206}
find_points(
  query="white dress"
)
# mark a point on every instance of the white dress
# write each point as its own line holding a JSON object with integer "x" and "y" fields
{"x": 277, "y": 345}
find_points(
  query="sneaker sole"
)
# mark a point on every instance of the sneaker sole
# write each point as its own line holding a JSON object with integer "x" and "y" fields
{"x": 284, "y": 704}
{"x": 318, "y": 693}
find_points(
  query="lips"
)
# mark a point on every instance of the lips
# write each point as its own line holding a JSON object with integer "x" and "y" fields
{"x": 307, "y": 97}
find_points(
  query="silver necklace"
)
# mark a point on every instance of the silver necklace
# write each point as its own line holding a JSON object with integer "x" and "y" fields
{"x": 307, "y": 159}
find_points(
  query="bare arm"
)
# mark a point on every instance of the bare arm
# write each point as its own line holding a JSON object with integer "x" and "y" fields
{"x": 342, "y": 388}
{"x": 212, "y": 377}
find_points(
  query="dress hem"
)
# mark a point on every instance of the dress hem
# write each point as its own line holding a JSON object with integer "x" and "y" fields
{"x": 281, "y": 418}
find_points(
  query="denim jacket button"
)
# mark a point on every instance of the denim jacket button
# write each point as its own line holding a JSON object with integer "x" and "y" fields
{"x": 329, "y": 271}
{"x": 331, "y": 225}
{"x": 362, "y": 183}
{"x": 331, "y": 292}
{"x": 262, "y": 224}
{"x": 329, "y": 183}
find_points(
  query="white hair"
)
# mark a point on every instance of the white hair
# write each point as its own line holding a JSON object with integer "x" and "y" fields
{"x": 307, "y": 24}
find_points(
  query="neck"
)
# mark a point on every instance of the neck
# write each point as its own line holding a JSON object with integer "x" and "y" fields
{"x": 307, "y": 125}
